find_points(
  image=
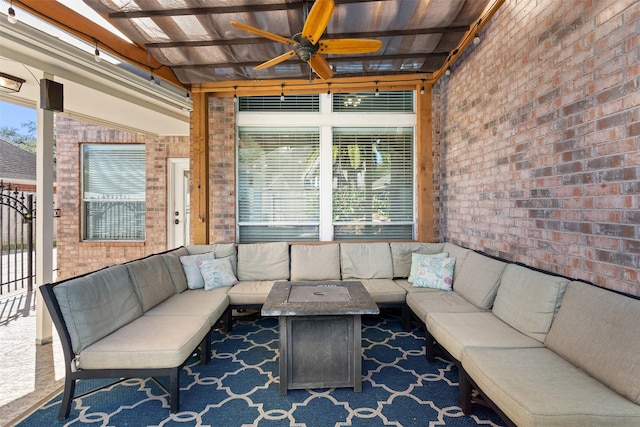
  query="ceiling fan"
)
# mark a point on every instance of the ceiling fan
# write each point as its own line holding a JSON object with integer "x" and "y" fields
{"x": 307, "y": 44}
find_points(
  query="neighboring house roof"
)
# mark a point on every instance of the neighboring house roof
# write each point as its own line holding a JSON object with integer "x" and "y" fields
{"x": 16, "y": 163}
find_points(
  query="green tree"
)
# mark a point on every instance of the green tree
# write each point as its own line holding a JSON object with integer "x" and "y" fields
{"x": 24, "y": 138}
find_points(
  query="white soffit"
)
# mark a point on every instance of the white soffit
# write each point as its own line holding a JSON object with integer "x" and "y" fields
{"x": 101, "y": 93}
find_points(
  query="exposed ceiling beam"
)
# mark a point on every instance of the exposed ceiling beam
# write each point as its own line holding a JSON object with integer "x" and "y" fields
{"x": 217, "y": 10}
{"x": 72, "y": 22}
{"x": 257, "y": 40}
{"x": 341, "y": 58}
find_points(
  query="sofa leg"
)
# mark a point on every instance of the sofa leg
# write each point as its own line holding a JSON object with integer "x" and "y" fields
{"x": 464, "y": 392}
{"x": 228, "y": 318}
{"x": 174, "y": 390}
{"x": 406, "y": 318}
{"x": 429, "y": 348}
{"x": 205, "y": 350}
{"x": 67, "y": 396}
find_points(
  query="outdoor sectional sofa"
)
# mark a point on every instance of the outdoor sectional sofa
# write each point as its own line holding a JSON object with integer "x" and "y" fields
{"x": 540, "y": 349}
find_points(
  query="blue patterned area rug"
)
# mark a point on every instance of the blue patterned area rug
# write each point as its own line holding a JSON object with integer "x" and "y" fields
{"x": 239, "y": 388}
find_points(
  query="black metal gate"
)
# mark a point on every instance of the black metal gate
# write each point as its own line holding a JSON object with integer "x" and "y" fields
{"x": 16, "y": 240}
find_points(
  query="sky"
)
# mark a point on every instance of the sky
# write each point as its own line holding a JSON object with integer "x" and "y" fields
{"x": 12, "y": 115}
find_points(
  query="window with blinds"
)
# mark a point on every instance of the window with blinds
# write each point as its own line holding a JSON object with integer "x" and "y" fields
{"x": 372, "y": 183}
{"x": 336, "y": 176}
{"x": 113, "y": 191}
{"x": 278, "y": 184}
{"x": 309, "y": 103}
{"x": 390, "y": 102}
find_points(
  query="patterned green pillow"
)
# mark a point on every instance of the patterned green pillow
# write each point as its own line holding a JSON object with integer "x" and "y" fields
{"x": 436, "y": 273}
{"x": 415, "y": 261}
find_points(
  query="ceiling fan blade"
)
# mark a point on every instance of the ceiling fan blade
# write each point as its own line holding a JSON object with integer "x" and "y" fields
{"x": 276, "y": 60}
{"x": 321, "y": 66}
{"x": 346, "y": 46}
{"x": 262, "y": 33}
{"x": 317, "y": 20}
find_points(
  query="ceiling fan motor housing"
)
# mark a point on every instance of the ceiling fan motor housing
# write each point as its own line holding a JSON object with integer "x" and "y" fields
{"x": 305, "y": 49}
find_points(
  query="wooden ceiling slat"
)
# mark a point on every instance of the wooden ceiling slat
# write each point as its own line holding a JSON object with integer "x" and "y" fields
{"x": 362, "y": 35}
{"x": 341, "y": 58}
{"x": 218, "y": 10}
{"x": 72, "y": 22}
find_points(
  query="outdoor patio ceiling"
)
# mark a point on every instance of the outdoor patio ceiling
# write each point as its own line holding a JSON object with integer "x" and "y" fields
{"x": 196, "y": 40}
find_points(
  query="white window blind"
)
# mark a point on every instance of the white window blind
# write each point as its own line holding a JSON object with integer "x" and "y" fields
{"x": 114, "y": 191}
{"x": 372, "y": 183}
{"x": 389, "y": 102}
{"x": 278, "y": 183}
{"x": 297, "y": 103}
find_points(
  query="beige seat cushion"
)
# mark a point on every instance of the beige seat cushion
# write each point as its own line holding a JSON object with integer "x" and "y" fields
{"x": 263, "y": 261}
{"x": 435, "y": 300}
{"x": 211, "y": 303}
{"x": 384, "y": 290}
{"x": 250, "y": 292}
{"x": 599, "y": 331}
{"x": 147, "y": 342}
{"x": 455, "y": 331}
{"x": 528, "y": 300}
{"x": 315, "y": 262}
{"x": 536, "y": 387}
{"x": 401, "y": 255}
{"x": 478, "y": 279}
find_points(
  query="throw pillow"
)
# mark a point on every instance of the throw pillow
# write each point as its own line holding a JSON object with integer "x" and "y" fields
{"x": 217, "y": 273}
{"x": 415, "y": 262}
{"x": 191, "y": 270}
{"x": 436, "y": 273}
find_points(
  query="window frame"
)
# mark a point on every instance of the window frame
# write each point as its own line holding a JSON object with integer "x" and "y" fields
{"x": 326, "y": 120}
{"x": 84, "y": 199}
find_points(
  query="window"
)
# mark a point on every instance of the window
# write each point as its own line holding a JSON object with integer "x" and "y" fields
{"x": 372, "y": 183}
{"x": 113, "y": 191}
{"x": 344, "y": 172}
{"x": 278, "y": 183}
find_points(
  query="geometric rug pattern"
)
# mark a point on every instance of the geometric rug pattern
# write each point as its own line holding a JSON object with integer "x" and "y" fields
{"x": 239, "y": 388}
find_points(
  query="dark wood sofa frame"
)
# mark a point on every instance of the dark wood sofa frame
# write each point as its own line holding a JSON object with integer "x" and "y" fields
{"x": 73, "y": 373}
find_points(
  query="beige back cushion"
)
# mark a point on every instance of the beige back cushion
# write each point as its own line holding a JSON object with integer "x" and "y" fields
{"x": 95, "y": 305}
{"x": 315, "y": 262}
{"x": 528, "y": 300}
{"x": 172, "y": 261}
{"x": 401, "y": 255}
{"x": 366, "y": 260}
{"x": 457, "y": 252}
{"x": 599, "y": 332}
{"x": 478, "y": 279}
{"x": 263, "y": 261}
{"x": 220, "y": 250}
{"x": 151, "y": 280}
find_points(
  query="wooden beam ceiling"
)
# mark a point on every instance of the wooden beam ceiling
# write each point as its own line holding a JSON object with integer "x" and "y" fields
{"x": 72, "y": 22}
{"x": 258, "y": 40}
{"x": 217, "y": 10}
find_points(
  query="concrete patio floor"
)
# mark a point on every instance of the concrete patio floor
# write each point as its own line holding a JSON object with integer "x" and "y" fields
{"x": 29, "y": 373}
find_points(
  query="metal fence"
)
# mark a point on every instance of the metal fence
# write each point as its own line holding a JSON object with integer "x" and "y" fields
{"x": 16, "y": 240}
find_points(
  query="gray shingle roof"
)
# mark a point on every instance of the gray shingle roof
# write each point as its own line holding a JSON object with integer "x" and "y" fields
{"x": 16, "y": 163}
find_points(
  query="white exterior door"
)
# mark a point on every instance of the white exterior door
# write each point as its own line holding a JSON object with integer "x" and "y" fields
{"x": 178, "y": 212}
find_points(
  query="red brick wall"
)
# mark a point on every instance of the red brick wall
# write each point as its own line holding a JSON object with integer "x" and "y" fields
{"x": 222, "y": 170}
{"x": 75, "y": 256}
{"x": 540, "y": 140}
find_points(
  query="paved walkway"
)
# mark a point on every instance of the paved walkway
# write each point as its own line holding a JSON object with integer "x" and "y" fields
{"x": 29, "y": 372}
